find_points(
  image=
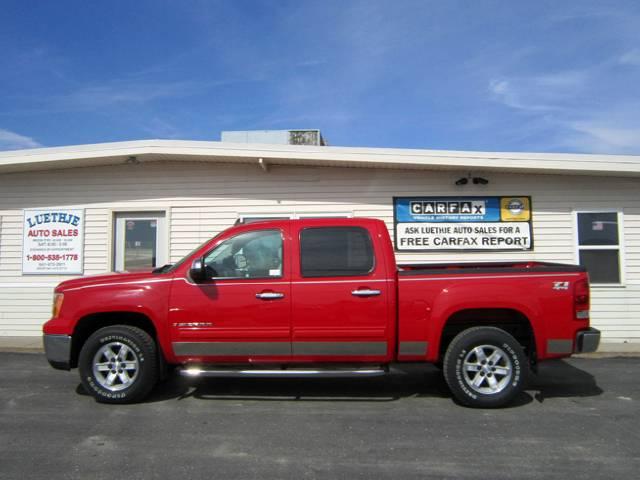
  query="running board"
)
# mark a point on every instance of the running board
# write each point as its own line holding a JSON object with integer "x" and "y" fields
{"x": 282, "y": 373}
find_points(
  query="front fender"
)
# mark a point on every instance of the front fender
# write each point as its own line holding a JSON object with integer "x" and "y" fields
{"x": 150, "y": 299}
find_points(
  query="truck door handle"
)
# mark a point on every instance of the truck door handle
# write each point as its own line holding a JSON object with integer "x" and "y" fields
{"x": 365, "y": 292}
{"x": 269, "y": 295}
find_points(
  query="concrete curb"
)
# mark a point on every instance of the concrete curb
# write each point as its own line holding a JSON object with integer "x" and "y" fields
{"x": 20, "y": 344}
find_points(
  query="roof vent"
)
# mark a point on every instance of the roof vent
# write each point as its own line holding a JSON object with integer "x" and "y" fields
{"x": 278, "y": 137}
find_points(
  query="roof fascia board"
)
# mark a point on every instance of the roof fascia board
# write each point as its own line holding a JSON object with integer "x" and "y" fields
{"x": 45, "y": 158}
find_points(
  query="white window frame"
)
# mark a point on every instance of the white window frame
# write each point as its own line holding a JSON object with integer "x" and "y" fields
{"x": 295, "y": 216}
{"x": 118, "y": 218}
{"x": 619, "y": 247}
{"x": 324, "y": 215}
{"x": 265, "y": 216}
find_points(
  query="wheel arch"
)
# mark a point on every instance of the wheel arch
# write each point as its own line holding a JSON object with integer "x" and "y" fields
{"x": 511, "y": 320}
{"x": 93, "y": 322}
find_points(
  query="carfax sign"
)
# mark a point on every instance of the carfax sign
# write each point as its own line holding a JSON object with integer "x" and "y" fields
{"x": 52, "y": 241}
{"x": 462, "y": 223}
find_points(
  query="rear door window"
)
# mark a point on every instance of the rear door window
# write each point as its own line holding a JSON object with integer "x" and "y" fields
{"x": 336, "y": 252}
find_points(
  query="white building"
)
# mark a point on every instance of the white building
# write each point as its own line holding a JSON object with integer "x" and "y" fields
{"x": 161, "y": 198}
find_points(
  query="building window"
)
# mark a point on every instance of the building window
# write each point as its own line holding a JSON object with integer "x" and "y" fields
{"x": 260, "y": 218}
{"x": 140, "y": 241}
{"x": 599, "y": 246}
{"x": 325, "y": 215}
{"x": 249, "y": 218}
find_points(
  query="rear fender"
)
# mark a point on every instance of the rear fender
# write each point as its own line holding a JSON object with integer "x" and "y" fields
{"x": 455, "y": 298}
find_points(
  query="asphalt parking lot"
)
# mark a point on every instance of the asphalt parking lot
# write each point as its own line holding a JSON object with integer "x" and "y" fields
{"x": 579, "y": 419}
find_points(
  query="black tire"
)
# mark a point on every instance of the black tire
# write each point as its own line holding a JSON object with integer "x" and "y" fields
{"x": 489, "y": 382}
{"x": 119, "y": 364}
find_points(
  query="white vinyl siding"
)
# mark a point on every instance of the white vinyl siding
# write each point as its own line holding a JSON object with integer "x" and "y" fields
{"x": 203, "y": 199}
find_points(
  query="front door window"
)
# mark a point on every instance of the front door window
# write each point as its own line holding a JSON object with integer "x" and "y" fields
{"x": 255, "y": 254}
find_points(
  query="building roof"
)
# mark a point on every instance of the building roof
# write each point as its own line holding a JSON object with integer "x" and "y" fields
{"x": 354, "y": 157}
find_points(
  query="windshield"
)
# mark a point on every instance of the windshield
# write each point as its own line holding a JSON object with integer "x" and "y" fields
{"x": 171, "y": 268}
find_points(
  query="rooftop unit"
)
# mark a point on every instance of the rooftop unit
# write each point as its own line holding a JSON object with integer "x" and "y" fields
{"x": 278, "y": 137}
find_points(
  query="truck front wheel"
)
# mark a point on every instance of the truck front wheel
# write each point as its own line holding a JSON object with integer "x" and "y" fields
{"x": 485, "y": 367}
{"x": 118, "y": 364}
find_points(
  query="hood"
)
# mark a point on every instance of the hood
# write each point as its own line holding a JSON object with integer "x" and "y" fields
{"x": 106, "y": 279}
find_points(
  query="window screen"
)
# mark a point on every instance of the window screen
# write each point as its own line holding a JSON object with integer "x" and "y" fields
{"x": 335, "y": 251}
{"x": 603, "y": 265}
{"x": 598, "y": 228}
{"x": 599, "y": 246}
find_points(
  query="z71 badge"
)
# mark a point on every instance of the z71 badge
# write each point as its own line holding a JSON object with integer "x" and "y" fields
{"x": 561, "y": 285}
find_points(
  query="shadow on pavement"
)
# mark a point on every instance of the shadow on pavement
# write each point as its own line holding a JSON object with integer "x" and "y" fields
{"x": 382, "y": 389}
{"x": 556, "y": 378}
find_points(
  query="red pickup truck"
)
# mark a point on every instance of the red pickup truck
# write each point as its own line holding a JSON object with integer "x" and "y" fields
{"x": 320, "y": 297}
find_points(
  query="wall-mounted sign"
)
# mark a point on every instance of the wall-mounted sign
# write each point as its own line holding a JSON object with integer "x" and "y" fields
{"x": 52, "y": 241}
{"x": 462, "y": 223}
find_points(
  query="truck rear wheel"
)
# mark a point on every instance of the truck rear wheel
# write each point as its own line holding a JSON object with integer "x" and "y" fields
{"x": 119, "y": 364}
{"x": 485, "y": 367}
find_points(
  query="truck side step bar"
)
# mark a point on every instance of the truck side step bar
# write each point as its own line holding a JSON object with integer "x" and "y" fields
{"x": 203, "y": 371}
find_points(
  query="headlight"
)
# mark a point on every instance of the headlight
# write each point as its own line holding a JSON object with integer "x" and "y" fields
{"x": 57, "y": 304}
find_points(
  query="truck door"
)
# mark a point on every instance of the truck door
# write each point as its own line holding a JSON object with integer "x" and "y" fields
{"x": 340, "y": 294}
{"x": 242, "y": 311}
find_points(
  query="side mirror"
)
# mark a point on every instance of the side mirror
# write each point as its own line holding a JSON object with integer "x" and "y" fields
{"x": 197, "y": 272}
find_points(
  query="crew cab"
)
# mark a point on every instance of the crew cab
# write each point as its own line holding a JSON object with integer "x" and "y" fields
{"x": 318, "y": 297}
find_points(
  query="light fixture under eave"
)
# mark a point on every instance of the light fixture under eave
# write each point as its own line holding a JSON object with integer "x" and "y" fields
{"x": 264, "y": 165}
{"x": 132, "y": 160}
{"x": 480, "y": 181}
{"x": 462, "y": 181}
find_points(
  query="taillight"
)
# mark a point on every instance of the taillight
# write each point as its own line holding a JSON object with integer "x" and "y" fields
{"x": 581, "y": 299}
{"x": 57, "y": 304}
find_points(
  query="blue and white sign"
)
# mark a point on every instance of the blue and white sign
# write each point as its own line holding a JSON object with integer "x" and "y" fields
{"x": 447, "y": 209}
{"x": 462, "y": 223}
{"x": 53, "y": 241}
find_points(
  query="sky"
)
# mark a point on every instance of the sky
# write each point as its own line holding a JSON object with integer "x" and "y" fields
{"x": 518, "y": 75}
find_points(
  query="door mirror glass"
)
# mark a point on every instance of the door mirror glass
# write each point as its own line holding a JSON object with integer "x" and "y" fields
{"x": 197, "y": 272}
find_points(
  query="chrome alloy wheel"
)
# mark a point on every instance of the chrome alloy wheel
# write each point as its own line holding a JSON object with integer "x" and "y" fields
{"x": 115, "y": 366}
{"x": 487, "y": 369}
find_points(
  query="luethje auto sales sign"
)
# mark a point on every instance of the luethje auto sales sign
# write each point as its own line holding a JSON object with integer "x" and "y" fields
{"x": 52, "y": 241}
{"x": 462, "y": 223}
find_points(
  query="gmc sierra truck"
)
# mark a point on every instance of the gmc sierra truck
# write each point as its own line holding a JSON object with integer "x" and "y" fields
{"x": 318, "y": 297}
